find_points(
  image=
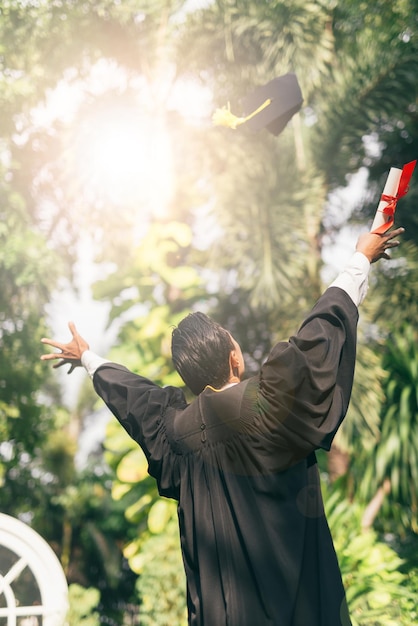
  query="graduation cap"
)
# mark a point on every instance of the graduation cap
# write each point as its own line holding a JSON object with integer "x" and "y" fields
{"x": 270, "y": 106}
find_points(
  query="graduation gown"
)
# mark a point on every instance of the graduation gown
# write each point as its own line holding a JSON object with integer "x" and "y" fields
{"x": 256, "y": 546}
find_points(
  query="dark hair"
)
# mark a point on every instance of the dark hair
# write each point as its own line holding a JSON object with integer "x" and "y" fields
{"x": 200, "y": 349}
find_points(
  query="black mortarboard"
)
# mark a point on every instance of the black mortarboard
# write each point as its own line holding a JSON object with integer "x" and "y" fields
{"x": 270, "y": 106}
{"x": 285, "y": 100}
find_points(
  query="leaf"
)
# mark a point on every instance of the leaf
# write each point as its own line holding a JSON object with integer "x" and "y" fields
{"x": 133, "y": 467}
{"x": 117, "y": 439}
{"x": 135, "y": 512}
{"x": 119, "y": 490}
{"x": 159, "y": 516}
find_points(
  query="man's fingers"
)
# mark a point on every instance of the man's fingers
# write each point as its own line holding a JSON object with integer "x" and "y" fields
{"x": 51, "y": 342}
{"x": 57, "y": 344}
{"x": 61, "y": 363}
{"x": 72, "y": 328}
{"x": 52, "y": 355}
{"x": 65, "y": 362}
{"x": 394, "y": 233}
{"x": 390, "y": 242}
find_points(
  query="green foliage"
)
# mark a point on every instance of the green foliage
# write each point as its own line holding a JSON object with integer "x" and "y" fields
{"x": 157, "y": 285}
{"x": 395, "y": 456}
{"x": 154, "y": 554}
{"x": 133, "y": 487}
{"x": 372, "y": 86}
{"x": 408, "y": 550}
{"x": 83, "y": 606}
{"x": 391, "y": 454}
{"x": 89, "y": 529}
{"x": 162, "y": 585}
{"x": 399, "y": 452}
{"x": 158, "y": 272}
{"x": 396, "y": 287}
{"x": 377, "y": 590}
{"x": 262, "y": 39}
{"x": 273, "y": 270}
{"x": 28, "y": 271}
{"x": 362, "y": 422}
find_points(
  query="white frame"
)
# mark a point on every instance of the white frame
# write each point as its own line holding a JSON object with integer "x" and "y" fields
{"x": 38, "y": 556}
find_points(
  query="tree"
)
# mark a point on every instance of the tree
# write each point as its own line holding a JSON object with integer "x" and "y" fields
{"x": 42, "y": 215}
{"x": 154, "y": 553}
{"x": 26, "y": 271}
{"x": 377, "y": 588}
{"x": 391, "y": 463}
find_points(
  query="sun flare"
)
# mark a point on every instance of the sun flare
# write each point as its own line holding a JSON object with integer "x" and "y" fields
{"x": 118, "y": 150}
{"x": 122, "y": 157}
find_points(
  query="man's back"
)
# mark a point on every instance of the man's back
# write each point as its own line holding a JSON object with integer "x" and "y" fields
{"x": 256, "y": 544}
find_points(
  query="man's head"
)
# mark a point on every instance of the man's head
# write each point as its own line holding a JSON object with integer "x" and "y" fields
{"x": 201, "y": 351}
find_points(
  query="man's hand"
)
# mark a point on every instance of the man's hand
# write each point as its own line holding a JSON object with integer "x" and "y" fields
{"x": 374, "y": 246}
{"x": 70, "y": 352}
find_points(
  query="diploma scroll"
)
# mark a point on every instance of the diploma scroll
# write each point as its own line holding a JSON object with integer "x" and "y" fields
{"x": 396, "y": 187}
{"x": 390, "y": 190}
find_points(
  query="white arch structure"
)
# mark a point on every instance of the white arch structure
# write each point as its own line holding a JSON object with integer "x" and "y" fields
{"x": 33, "y": 587}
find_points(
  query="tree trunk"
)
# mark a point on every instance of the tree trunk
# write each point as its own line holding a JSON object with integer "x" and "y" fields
{"x": 375, "y": 505}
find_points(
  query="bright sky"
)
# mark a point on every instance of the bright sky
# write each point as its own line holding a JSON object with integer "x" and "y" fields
{"x": 120, "y": 154}
{"x": 121, "y": 151}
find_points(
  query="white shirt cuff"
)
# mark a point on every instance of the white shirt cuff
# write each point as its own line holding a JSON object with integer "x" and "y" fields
{"x": 91, "y": 361}
{"x": 354, "y": 278}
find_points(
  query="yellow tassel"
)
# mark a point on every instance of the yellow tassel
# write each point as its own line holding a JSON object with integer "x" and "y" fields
{"x": 224, "y": 117}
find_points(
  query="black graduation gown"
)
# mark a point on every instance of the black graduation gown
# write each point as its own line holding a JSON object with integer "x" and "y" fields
{"x": 241, "y": 463}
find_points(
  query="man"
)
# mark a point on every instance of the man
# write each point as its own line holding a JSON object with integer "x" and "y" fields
{"x": 240, "y": 459}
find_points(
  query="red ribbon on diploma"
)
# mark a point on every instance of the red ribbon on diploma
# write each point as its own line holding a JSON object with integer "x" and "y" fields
{"x": 392, "y": 201}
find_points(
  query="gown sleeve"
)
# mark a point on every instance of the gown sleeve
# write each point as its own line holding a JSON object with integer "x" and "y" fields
{"x": 142, "y": 407}
{"x": 305, "y": 384}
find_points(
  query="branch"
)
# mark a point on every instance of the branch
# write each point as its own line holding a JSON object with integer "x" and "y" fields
{"x": 375, "y": 505}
